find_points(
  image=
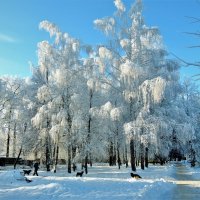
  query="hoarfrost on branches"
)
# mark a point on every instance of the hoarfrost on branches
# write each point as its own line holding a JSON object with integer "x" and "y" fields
{"x": 125, "y": 43}
{"x": 43, "y": 93}
{"x": 119, "y": 5}
{"x": 52, "y": 29}
{"x": 115, "y": 114}
{"x": 105, "y": 53}
{"x": 153, "y": 90}
{"x": 105, "y": 24}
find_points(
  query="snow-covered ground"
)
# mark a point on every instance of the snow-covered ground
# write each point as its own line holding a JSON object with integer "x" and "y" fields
{"x": 102, "y": 182}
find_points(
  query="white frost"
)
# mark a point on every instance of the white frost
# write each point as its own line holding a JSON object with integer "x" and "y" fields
{"x": 105, "y": 53}
{"x": 119, "y": 5}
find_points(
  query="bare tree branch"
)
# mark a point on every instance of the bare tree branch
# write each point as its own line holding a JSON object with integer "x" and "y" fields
{"x": 193, "y": 33}
{"x": 195, "y": 19}
{"x": 197, "y": 64}
{"x": 197, "y": 46}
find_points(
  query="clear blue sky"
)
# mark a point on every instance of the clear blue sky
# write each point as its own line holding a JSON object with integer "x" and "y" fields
{"x": 19, "y": 33}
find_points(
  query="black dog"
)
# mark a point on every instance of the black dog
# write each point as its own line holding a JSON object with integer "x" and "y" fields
{"x": 28, "y": 180}
{"x": 79, "y": 173}
{"x": 27, "y": 171}
{"x": 136, "y": 176}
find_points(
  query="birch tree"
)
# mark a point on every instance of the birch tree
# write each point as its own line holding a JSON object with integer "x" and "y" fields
{"x": 139, "y": 66}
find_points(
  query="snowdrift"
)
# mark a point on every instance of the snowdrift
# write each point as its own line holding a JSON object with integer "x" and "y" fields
{"x": 12, "y": 176}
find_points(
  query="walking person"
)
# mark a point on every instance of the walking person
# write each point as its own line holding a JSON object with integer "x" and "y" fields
{"x": 36, "y": 167}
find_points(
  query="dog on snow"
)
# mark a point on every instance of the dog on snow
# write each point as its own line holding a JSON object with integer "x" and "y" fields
{"x": 27, "y": 171}
{"x": 136, "y": 176}
{"x": 79, "y": 174}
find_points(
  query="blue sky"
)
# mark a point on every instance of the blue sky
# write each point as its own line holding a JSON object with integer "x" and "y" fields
{"x": 19, "y": 33}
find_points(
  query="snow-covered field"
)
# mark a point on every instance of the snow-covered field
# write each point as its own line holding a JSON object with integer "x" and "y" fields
{"x": 102, "y": 182}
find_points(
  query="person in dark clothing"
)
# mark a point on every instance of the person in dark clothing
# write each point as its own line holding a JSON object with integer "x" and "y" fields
{"x": 36, "y": 167}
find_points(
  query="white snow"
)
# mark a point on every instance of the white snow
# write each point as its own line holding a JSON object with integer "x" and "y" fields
{"x": 12, "y": 177}
{"x": 102, "y": 182}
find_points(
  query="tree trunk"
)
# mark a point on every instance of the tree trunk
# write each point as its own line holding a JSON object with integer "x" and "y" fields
{"x": 73, "y": 153}
{"x": 126, "y": 157}
{"x": 114, "y": 155}
{"x": 132, "y": 152}
{"x": 73, "y": 156}
{"x": 193, "y": 157}
{"x": 8, "y": 143}
{"x": 90, "y": 160}
{"x": 118, "y": 156}
{"x": 14, "y": 141}
{"x": 47, "y": 154}
{"x": 86, "y": 162}
{"x": 142, "y": 156}
{"x": 54, "y": 152}
{"x": 69, "y": 160}
{"x": 25, "y": 126}
{"x": 123, "y": 158}
{"x": 56, "y": 158}
{"x": 74, "y": 166}
{"x": 57, "y": 153}
{"x": 8, "y": 137}
{"x": 47, "y": 145}
{"x": 18, "y": 157}
{"x": 146, "y": 157}
{"x": 88, "y": 139}
{"x": 111, "y": 154}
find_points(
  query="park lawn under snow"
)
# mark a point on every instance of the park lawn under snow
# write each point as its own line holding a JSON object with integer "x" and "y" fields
{"x": 102, "y": 182}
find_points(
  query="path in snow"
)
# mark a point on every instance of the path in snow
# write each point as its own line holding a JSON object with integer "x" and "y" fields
{"x": 187, "y": 187}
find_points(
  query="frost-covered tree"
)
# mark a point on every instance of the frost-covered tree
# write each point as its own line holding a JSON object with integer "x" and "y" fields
{"x": 137, "y": 64}
{"x": 9, "y": 111}
{"x": 58, "y": 64}
{"x": 189, "y": 102}
{"x": 15, "y": 118}
{"x": 42, "y": 119}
